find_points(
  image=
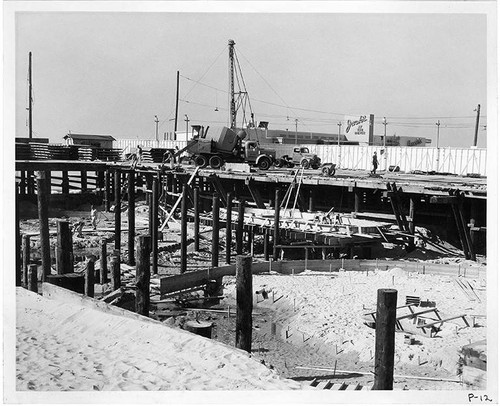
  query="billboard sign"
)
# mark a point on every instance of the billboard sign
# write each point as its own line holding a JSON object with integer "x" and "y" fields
{"x": 357, "y": 128}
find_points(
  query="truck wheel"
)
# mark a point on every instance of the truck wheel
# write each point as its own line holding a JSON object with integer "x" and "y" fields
{"x": 332, "y": 170}
{"x": 201, "y": 161}
{"x": 279, "y": 163}
{"x": 264, "y": 164}
{"x": 216, "y": 162}
{"x": 305, "y": 163}
{"x": 325, "y": 170}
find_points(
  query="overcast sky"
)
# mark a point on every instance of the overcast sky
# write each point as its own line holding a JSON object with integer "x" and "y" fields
{"x": 111, "y": 73}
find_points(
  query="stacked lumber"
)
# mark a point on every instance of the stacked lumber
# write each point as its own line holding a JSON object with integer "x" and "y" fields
{"x": 474, "y": 360}
{"x": 153, "y": 155}
{"x": 109, "y": 154}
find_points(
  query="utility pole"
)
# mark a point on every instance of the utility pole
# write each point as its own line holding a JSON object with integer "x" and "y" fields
{"x": 477, "y": 123}
{"x": 176, "y": 105}
{"x": 187, "y": 125}
{"x": 338, "y": 142}
{"x": 232, "y": 107}
{"x": 156, "y": 132}
{"x": 296, "y": 120}
{"x": 30, "y": 106}
{"x": 385, "y": 150}
{"x": 437, "y": 146}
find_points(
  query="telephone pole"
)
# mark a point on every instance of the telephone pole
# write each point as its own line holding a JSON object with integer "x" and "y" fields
{"x": 176, "y": 105}
{"x": 338, "y": 142}
{"x": 187, "y": 125}
{"x": 438, "y": 124}
{"x": 385, "y": 150}
{"x": 156, "y": 132}
{"x": 477, "y": 123}
{"x": 296, "y": 120}
{"x": 437, "y": 155}
{"x": 30, "y": 105}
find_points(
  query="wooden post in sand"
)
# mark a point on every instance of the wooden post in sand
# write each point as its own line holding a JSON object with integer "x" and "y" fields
{"x": 19, "y": 262}
{"x": 196, "y": 209}
{"x": 215, "y": 231}
{"x": 107, "y": 190}
{"x": 229, "y": 215}
{"x": 143, "y": 275}
{"x": 266, "y": 244}
{"x": 239, "y": 227}
{"x": 103, "y": 276}
{"x": 83, "y": 179}
{"x": 26, "y": 258}
{"x": 276, "y": 224}
{"x": 244, "y": 302}
{"x": 118, "y": 211}
{"x": 65, "y": 183}
{"x": 90, "y": 277}
{"x": 385, "y": 327}
{"x": 64, "y": 248}
{"x": 154, "y": 225}
{"x": 43, "y": 218}
{"x": 183, "y": 267}
{"x": 32, "y": 279}
{"x": 131, "y": 217}
{"x": 114, "y": 267}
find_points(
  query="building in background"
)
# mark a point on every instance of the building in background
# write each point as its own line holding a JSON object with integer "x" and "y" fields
{"x": 93, "y": 140}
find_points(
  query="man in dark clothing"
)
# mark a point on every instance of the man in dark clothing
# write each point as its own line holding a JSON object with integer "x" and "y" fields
{"x": 375, "y": 163}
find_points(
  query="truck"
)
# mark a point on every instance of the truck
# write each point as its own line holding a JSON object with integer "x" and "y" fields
{"x": 301, "y": 156}
{"x": 216, "y": 146}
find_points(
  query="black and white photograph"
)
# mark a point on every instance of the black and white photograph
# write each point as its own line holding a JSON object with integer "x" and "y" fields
{"x": 250, "y": 202}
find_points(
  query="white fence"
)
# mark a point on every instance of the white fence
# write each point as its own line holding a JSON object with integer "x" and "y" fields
{"x": 459, "y": 161}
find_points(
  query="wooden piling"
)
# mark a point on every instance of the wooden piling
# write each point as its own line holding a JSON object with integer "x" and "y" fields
{"x": 22, "y": 184}
{"x": 43, "y": 217}
{"x": 183, "y": 267}
{"x": 244, "y": 302}
{"x": 196, "y": 198}
{"x": 32, "y": 279}
{"x": 90, "y": 277}
{"x": 26, "y": 258}
{"x": 266, "y": 244}
{"x": 357, "y": 199}
{"x": 215, "y": 231}
{"x": 131, "y": 217}
{"x": 385, "y": 327}
{"x": 83, "y": 180}
{"x": 64, "y": 248}
{"x": 65, "y": 183}
{"x": 154, "y": 225}
{"x": 276, "y": 224}
{"x": 103, "y": 277}
{"x": 18, "y": 264}
{"x": 239, "y": 227}
{"x": 107, "y": 190}
{"x": 143, "y": 275}
{"x": 118, "y": 211}
{"x": 229, "y": 215}
{"x": 250, "y": 240}
{"x": 114, "y": 267}
{"x": 100, "y": 183}
{"x": 311, "y": 200}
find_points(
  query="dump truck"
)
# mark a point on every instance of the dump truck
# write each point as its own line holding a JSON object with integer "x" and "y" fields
{"x": 216, "y": 146}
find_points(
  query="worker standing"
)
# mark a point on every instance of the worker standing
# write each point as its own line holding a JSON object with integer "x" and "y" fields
{"x": 374, "y": 162}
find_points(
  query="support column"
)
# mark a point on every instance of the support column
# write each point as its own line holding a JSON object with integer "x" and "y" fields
{"x": 100, "y": 183}
{"x": 90, "y": 277}
{"x": 22, "y": 184}
{"x": 104, "y": 263}
{"x": 107, "y": 190}
{"x": 196, "y": 198}
{"x": 154, "y": 226}
{"x": 65, "y": 183}
{"x": 118, "y": 211}
{"x": 357, "y": 200}
{"x": 244, "y": 303}
{"x": 311, "y": 200}
{"x": 26, "y": 258}
{"x": 43, "y": 217}
{"x": 114, "y": 266}
{"x": 143, "y": 275}
{"x": 83, "y": 179}
{"x": 131, "y": 217}
{"x": 18, "y": 264}
{"x": 239, "y": 227}
{"x": 276, "y": 224}
{"x": 250, "y": 240}
{"x": 266, "y": 244}
{"x": 229, "y": 226}
{"x": 64, "y": 248}
{"x": 385, "y": 328}
{"x": 32, "y": 279}
{"x": 183, "y": 267}
{"x": 215, "y": 231}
